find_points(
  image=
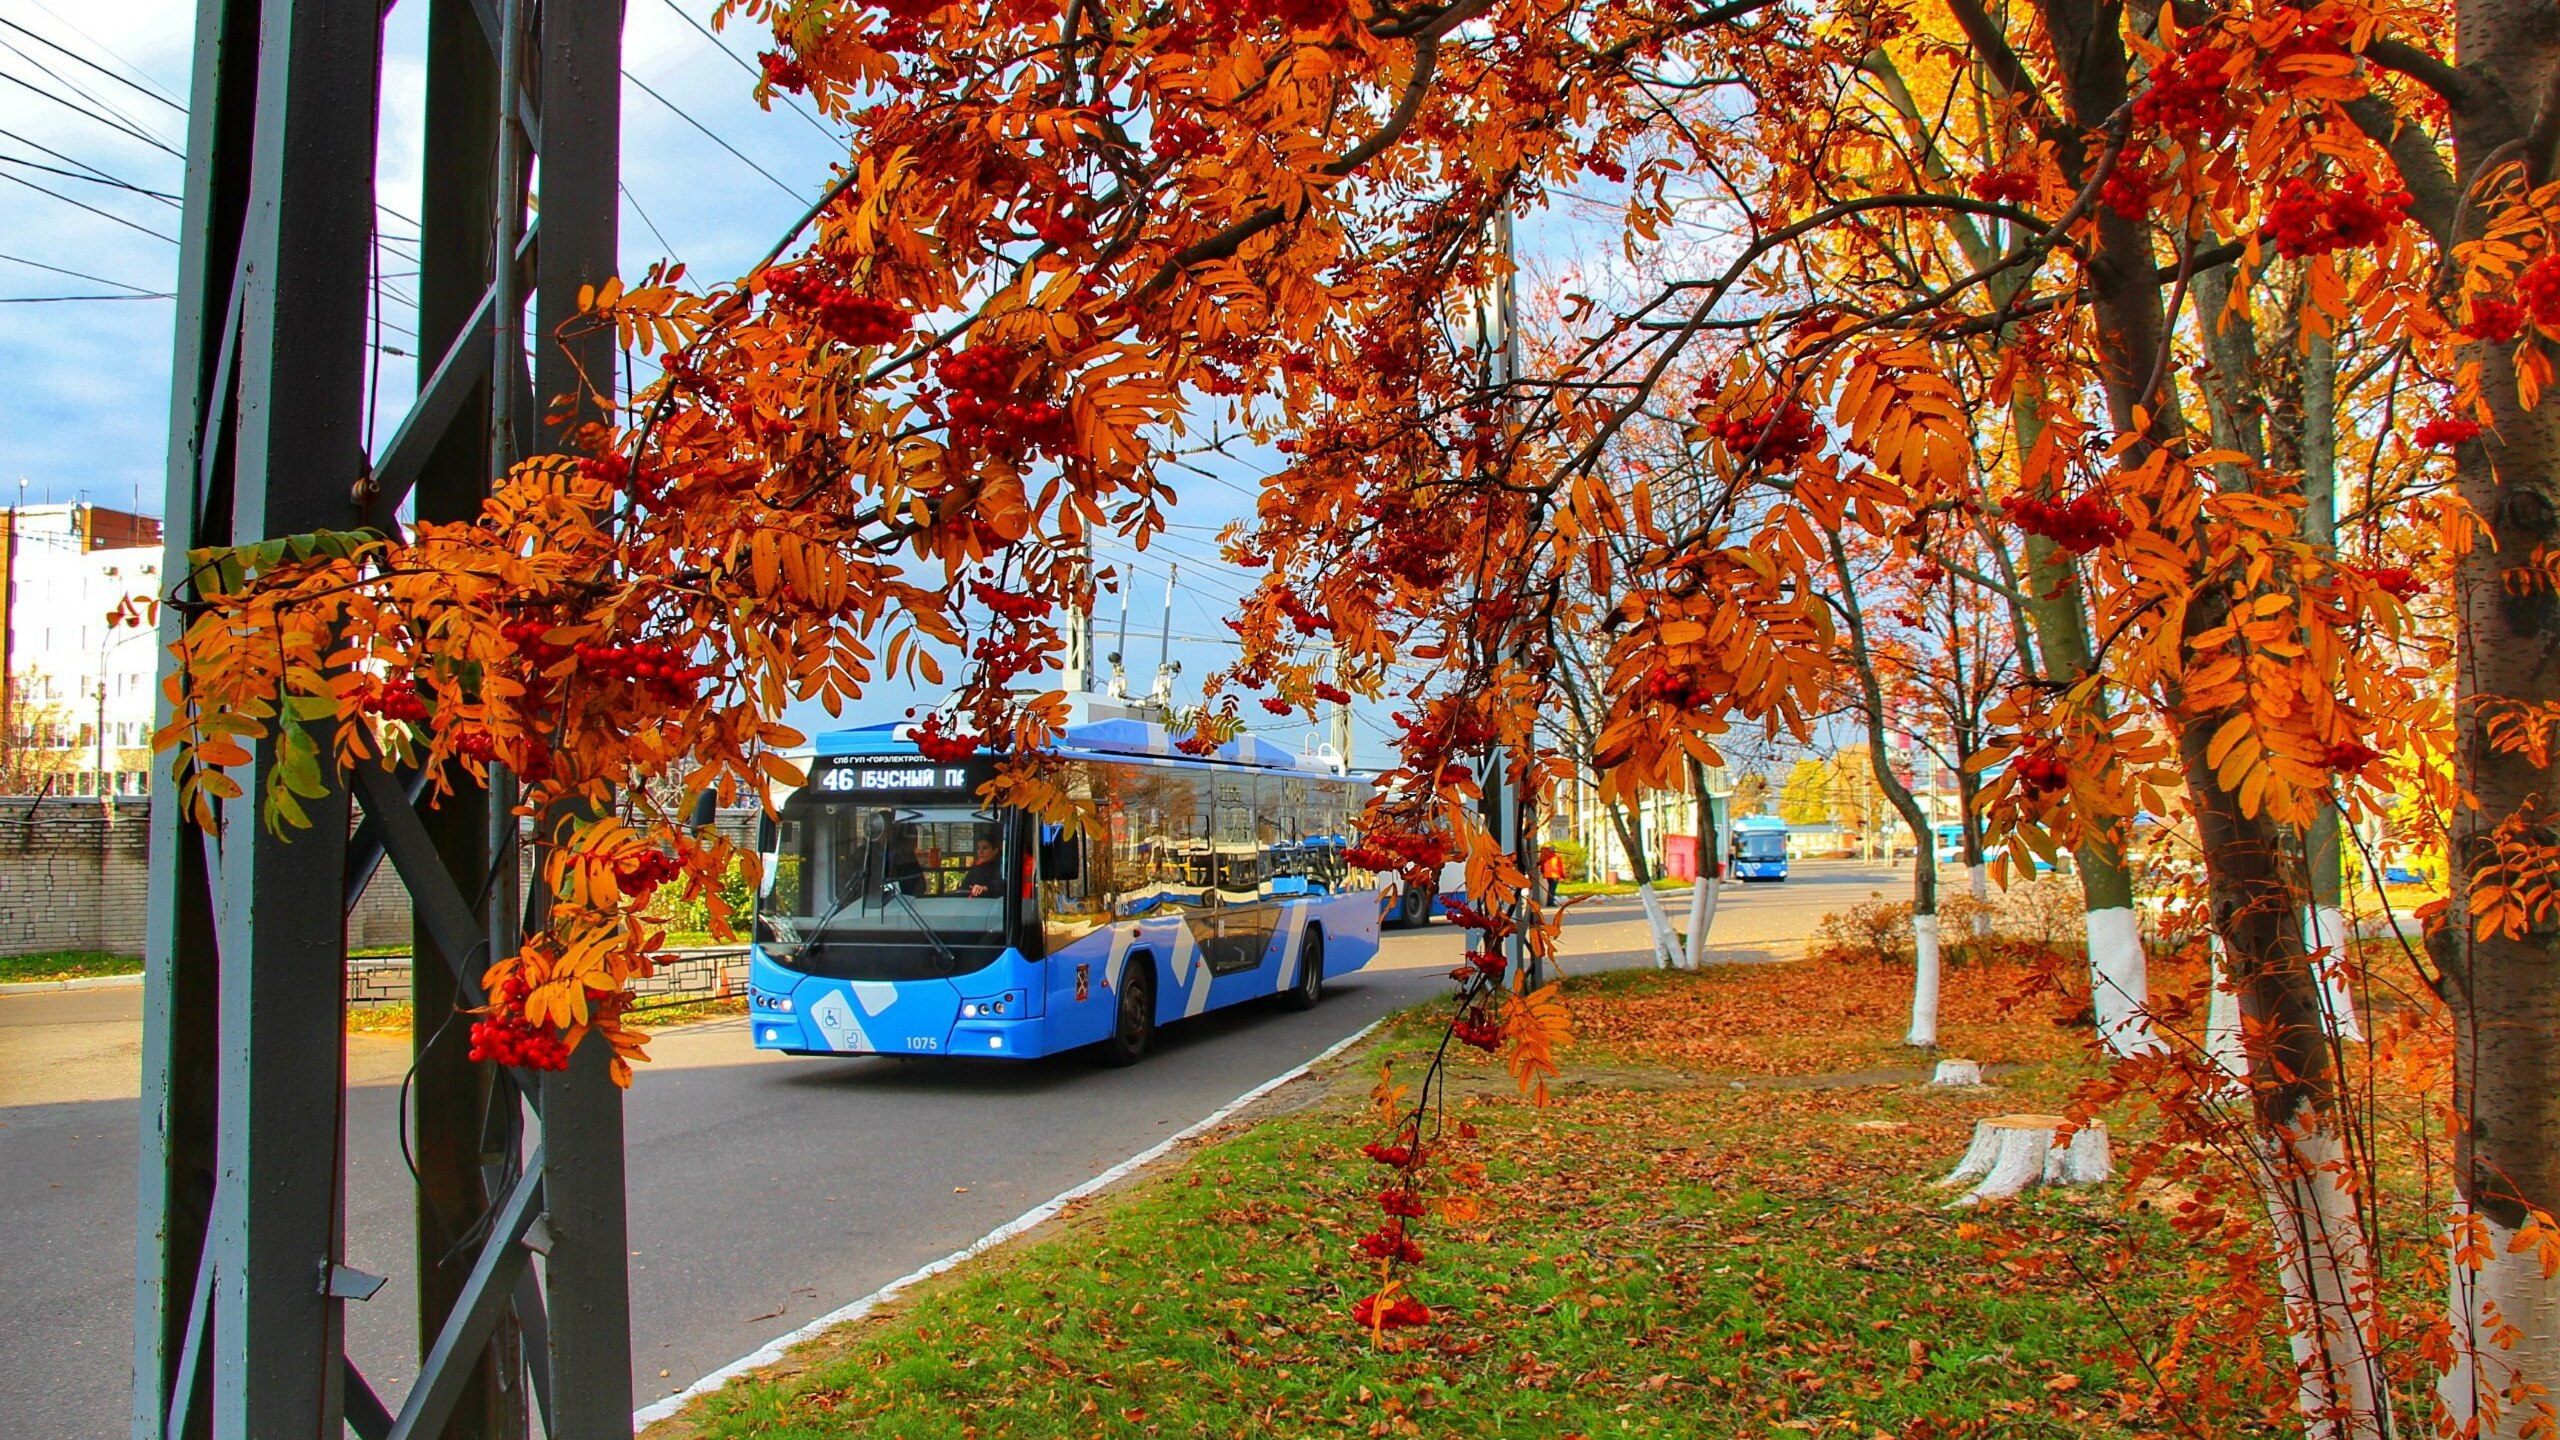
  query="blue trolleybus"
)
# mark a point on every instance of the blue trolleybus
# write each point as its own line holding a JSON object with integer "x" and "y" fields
{"x": 1759, "y": 848}
{"x": 901, "y": 915}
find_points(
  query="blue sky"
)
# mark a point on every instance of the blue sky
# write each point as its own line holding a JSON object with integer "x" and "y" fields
{"x": 84, "y": 383}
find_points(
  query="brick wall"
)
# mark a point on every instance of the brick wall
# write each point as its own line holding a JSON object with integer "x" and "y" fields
{"x": 72, "y": 875}
{"x": 689, "y": 975}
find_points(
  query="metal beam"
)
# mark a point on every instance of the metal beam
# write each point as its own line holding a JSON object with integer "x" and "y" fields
{"x": 483, "y": 1300}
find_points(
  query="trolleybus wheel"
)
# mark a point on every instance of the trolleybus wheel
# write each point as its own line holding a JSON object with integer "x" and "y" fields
{"x": 1310, "y": 986}
{"x": 1133, "y": 1022}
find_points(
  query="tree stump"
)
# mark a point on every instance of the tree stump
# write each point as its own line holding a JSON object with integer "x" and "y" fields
{"x": 2011, "y": 1152}
{"x": 1957, "y": 1072}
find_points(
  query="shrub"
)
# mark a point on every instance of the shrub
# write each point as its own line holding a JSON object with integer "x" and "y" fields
{"x": 1875, "y": 930}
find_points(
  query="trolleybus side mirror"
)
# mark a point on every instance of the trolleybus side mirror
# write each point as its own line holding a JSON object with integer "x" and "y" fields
{"x": 706, "y": 808}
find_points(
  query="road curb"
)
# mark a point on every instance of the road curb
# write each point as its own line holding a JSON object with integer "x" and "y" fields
{"x": 773, "y": 1350}
{"x": 84, "y": 982}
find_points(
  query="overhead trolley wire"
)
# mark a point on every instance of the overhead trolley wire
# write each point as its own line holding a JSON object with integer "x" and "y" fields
{"x": 92, "y": 209}
{"x": 103, "y": 176}
{"x": 77, "y": 274}
{"x": 705, "y": 32}
{"x": 121, "y": 127}
{"x": 712, "y": 135}
{"x": 145, "y": 91}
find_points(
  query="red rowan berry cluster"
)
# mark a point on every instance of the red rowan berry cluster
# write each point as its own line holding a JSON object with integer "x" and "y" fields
{"x": 475, "y": 743}
{"x": 2348, "y": 755}
{"x": 2540, "y": 287}
{"x": 942, "y": 744}
{"x": 396, "y": 700}
{"x": 2040, "y": 774}
{"x": 1055, "y": 220}
{"x": 1478, "y": 1031}
{"x": 1927, "y": 574}
{"x": 2188, "y": 96}
{"x": 2444, "y": 432}
{"x": 639, "y": 874}
{"x": 2326, "y": 36}
{"x": 1681, "y": 690}
{"x": 505, "y": 1037}
{"x": 1302, "y": 616}
{"x": 1401, "y": 1156}
{"x": 1441, "y": 732}
{"x": 526, "y": 634}
{"x": 2493, "y": 320}
{"x": 1278, "y": 706}
{"x": 1390, "y": 1242}
{"x": 1326, "y": 690}
{"x": 1401, "y": 1312}
{"x": 1006, "y": 656}
{"x": 1401, "y": 1202}
{"x": 2343, "y": 214}
{"x": 1414, "y": 551}
{"x": 1385, "y": 851}
{"x": 2079, "y": 525}
{"x": 659, "y": 670}
{"x": 1468, "y": 917}
{"x": 1198, "y": 742}
{"x": 615, "y": 473}
{"x": 2397, "y": 581}
{"x": 988, "y": 412}
{"x": 1179, "y": 137}
{"x": 2016, "y": 187}
{"x": 852, "y": 319}
{"x": 1007, "y": 603}
{"x": 1775, "y": 439}
{"x": 783, "y": 73}
{"x": 2129, "y": 184}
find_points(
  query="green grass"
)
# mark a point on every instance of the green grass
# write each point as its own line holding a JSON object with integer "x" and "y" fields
{"x": 1652, "y": 1256}
{"x": 66, "y": 965}
{"x": 1616, "y": 887}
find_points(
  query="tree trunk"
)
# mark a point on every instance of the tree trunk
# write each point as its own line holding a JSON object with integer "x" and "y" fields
{"x": 2119, "y": 973}
{"x": 1630, "y": 827}
{"x": 1702, "y": 887}
{"x": 2256, "y": 909}
{"x": 1924, "y": 860}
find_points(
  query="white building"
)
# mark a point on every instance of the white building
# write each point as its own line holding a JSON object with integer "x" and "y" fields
{"x": 78, "y": 692}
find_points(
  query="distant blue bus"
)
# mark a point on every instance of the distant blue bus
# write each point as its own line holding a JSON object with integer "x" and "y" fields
{"x": 902, "y": 915}
{"x": 1759, "y": 848}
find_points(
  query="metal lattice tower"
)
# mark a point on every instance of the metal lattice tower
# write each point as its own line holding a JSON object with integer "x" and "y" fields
{"x": 241, "y": 1282}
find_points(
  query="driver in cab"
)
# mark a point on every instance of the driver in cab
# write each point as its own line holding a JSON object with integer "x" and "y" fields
{"x": 985, "y": 875}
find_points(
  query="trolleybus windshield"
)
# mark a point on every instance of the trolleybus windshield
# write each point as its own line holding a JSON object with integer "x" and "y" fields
{"x": 863, "y": 891}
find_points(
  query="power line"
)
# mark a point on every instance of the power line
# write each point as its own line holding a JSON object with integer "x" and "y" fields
{"x": 110, "y": 182}
{"x": 74, "y": 86}
{"x": 170, "y": 200}
{"x": 92, "y": 209}
{"x": 144, "y": 91}
{"x": 714, "y": 138}
{"x": 75, "y": 274}
{"x": 644, "y": 215}
{"x": 121, "y": 127}
{"x": 67, "y": 299}
{"x": 108, "y": 50}
{"x": 741, "y": 61}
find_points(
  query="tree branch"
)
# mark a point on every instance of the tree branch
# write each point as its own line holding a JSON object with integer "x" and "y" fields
{"x": 2435, "y": 201}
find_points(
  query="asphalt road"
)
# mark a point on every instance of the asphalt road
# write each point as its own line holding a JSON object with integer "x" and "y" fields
{"x": 765, "y": 1190}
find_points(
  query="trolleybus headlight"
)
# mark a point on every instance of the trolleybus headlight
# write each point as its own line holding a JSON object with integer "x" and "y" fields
{"x": 969, "y": 1012}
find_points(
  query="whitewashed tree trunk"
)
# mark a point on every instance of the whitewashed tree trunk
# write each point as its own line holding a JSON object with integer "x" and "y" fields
{"x": 1924, "y": 982}
{"x": 2324, "y": 935}
{"x": 2506, "y": 1314}
{"x": 2327, "y": 1276}
{"x": 1702, "y": 918}
{"x": 2224, "y": 1047}
{"x": 2119, "y": 982}
{"x": 2011, "y": 1152}
{"x": 1979, "y": 877}
{"x": 1666, "y": 943}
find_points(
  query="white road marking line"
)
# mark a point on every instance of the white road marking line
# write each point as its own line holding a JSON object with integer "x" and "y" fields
{"x": 773, "y": 1350}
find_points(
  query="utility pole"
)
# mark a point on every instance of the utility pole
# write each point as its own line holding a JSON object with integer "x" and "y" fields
{"x": 241, "y": 1280}
{"x": 1505, "y": 806}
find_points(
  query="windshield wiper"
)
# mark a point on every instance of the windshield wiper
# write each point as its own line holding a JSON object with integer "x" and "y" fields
{"x": 950, "y": 961}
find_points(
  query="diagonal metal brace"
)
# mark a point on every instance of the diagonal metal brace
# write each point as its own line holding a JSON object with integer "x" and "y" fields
{"x": 404, "y": 838}
{"x": 476, "y": 1311}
